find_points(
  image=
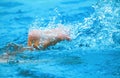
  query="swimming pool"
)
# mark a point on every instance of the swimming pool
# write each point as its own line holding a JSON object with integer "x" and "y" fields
{"x": 93, "y": 52}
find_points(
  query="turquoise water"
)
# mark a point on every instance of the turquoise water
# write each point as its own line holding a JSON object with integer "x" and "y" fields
{"x": 93, "y": 52}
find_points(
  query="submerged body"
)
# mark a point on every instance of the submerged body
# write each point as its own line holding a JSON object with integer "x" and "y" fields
{"x": 38, "y": 40}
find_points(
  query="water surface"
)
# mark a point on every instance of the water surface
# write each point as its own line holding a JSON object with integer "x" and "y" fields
{"x": 95, "y": 31}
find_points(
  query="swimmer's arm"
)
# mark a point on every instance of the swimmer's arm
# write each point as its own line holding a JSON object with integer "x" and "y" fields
{"x": 20, "y": 50}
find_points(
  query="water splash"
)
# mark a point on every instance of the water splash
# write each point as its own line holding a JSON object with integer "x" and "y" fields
{"x": 100, "y": 30}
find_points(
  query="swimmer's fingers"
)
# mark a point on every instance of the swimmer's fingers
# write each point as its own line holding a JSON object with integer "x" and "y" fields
{"x": 36, "y": 47}
{"x": 36, "y": 44}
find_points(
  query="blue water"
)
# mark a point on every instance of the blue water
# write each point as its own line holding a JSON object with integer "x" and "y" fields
{"x": 93, "y": 52}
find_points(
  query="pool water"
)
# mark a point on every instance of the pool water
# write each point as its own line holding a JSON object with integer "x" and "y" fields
{"x": 93, "y": 52}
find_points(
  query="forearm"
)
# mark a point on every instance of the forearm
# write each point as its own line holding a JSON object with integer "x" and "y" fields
{"x": 27, "y": 48}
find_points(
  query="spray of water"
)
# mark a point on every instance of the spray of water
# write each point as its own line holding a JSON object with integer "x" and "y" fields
{"x": 100, "y": 30}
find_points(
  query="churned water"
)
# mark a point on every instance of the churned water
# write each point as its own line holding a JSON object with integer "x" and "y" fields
{"x": 93, "y": 52}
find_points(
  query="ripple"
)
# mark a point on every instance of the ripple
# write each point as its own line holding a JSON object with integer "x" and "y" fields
{"x": 12, "y": 12}
{"x": 72, "y": 2}
{"x": 34, "y": 74}
{"x": 10, "y": 4}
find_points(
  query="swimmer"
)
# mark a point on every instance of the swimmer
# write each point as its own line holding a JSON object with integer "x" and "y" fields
{"x": 37, "y": 40}
{"x": 41, "y": 39}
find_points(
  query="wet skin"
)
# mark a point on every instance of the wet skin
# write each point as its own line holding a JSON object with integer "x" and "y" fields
{"x": 45, "y": 38}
